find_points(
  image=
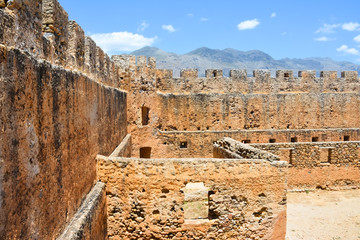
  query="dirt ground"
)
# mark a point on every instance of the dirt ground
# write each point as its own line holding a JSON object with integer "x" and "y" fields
{"x": 323, "y": 215}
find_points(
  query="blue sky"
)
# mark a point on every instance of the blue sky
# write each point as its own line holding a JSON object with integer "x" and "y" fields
{"x": 291, "y": 28}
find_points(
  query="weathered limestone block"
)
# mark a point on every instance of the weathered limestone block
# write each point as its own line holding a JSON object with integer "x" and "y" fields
{"x": 261, "y": 81}
{"x": 124, "y": 61}
{"x": 238, "y": 74}
{"x": 328, "y": 74}
{"x": 20, "y": 26}
{"x": 90, "y": 56}
{"x": 240, "y": 150}
{"x": 331, "y": 82}
{"x": 55, "y": 25}
{"x": 284, "y": 74}
{"x": 141, "y": 61}
{"x": 54, "y": 18}
{"x": 100, "y": 63}
{"x": 261, "y": 76}
{"x": 308, "y": 81}
{"x": 189, "y": 73}
{"x": 196, "y": 203}
{"x": 350, "y": 76}
{"x": 213, "y": 73}
{"x": 76, "y": 47}
{"x": 152, "y": 62}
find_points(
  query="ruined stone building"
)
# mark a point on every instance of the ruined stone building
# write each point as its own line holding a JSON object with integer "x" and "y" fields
{"x": 97, "y": 148}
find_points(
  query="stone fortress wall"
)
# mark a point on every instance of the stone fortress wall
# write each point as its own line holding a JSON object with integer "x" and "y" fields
{"x": 63, "y": 101}
{"x": 59, "y": 109}
{"x": 301, "y": 116}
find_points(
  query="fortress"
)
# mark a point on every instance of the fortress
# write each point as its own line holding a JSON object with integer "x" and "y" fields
{"x": 100, "y": 148}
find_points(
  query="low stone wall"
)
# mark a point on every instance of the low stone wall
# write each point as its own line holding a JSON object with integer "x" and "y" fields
{"x": 194, "y": 198}
{"x": 90, "y": 221}
{"x": 315, "y": 154}
{"x": 230, "y": 148}
{"x": 200, "y": 143}
{"x": 326, "y": 165}
{"x": 124, "y": 148}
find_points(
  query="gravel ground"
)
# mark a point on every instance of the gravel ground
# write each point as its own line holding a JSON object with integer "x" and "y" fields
{"x": 323, "y": 215}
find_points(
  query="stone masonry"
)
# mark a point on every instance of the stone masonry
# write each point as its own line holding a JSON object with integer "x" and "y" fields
{"x": 93, "y": 147}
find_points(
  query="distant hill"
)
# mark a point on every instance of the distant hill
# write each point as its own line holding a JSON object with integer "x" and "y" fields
{"x": 206, "y": 58}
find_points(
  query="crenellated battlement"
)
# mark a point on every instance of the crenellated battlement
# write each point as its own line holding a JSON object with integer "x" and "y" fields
{"x": 260, "y": 82}
{"x": 42, "y": 28}
{"x": 60, "y": 41}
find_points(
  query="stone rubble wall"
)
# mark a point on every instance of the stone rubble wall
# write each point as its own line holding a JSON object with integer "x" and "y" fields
{"x": 147, "y": 198}
{"x": 58, "y": 111}
{"x": 240, "y": 150}
{"x": 322, "y": 165}
{"x": 236, "y": 111}
{"x": 200, "y": 143}
{"x": 315, "y": 154}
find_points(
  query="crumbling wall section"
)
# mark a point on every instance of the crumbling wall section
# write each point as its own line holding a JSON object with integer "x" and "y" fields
{"x": 194, "y": 198}
{"x": 200, "y": 143}
{"x": 236, "y": 149}
{"x": 324, "y": 165}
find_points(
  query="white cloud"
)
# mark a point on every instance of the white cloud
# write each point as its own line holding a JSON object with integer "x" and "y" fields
{"x": 273, "y": 15}
{"x": 248, "y": 24}
{"x": 346, "y": 49}
{"x": 327, "y": 28}
{"x": 190, "y": 15}
{"x": 144, "y": 25}
{"x": 121, "y": 41}
{"x": 351, "y": 26}
{"x": 169, "y": 28}
{"x": 323, "y": 39}
{"x": 357, "y": 38}
{"x": 204, "y": 19}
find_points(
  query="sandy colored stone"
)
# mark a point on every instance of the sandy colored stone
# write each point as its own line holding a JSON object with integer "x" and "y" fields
{"x": 239, "y": 197}
{"x": 2, "y": 3}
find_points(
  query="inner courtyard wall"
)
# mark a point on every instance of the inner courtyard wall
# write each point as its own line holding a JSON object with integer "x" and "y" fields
{"x": 202, "y": 110}
{"x": 148, "y": 198}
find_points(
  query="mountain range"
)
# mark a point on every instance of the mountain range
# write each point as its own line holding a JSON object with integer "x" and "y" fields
{"x": 207, "y": 58}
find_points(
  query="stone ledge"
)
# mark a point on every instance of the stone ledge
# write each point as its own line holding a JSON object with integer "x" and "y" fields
{"x": 86, "y": 215}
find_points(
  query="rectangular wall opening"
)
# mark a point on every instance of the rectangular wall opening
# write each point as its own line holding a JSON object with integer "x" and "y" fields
{"x": 246, "y": 141}
{"x": 145, "y": 152}
{"x": 286, "y": 75}
{"x": 346, "y": 138}
{"x": 183, "y": 144}
{"x": 294, "y": 139}
{"x": 291, "y": 156}
{"x": 145, "y": 115}
{"x": 329, "y": 155}
{"x": 272, "y": 140}
{"x": 315, "y": 139}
